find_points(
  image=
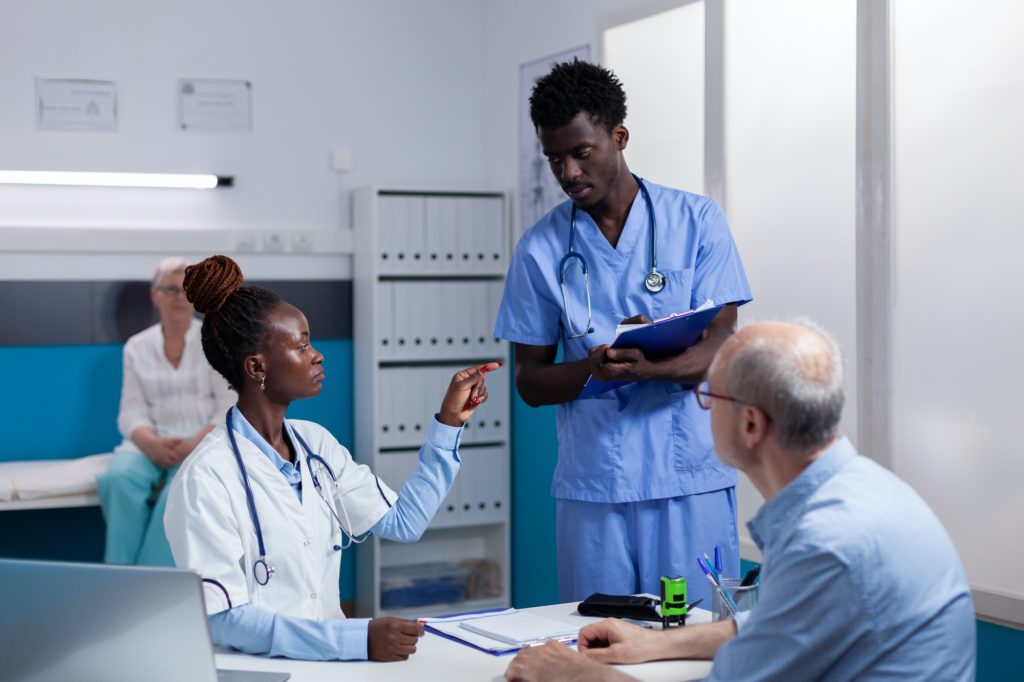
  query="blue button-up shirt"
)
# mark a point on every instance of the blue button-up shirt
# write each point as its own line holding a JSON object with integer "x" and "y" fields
{"x": 860, "y": 581}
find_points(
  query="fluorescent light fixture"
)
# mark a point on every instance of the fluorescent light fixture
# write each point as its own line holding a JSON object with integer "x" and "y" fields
{"x": 160, "y": 180}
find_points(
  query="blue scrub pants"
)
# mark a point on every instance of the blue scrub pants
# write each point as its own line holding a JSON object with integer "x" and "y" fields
{"x": 625, "y": 548}
{"x": 135, "y": 531}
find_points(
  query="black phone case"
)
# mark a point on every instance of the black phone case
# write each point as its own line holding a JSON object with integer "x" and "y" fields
{"x": 620, "y": 606}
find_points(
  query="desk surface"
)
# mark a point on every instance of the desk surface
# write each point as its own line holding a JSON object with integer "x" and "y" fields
{"x": 437, "y": 658}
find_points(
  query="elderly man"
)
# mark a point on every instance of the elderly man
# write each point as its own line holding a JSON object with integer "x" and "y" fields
{"x": 859, "y": 582}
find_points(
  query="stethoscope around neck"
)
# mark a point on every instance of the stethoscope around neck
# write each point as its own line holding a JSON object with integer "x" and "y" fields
{"x": 262, "y": 571}
{"x": 654, "y": 281}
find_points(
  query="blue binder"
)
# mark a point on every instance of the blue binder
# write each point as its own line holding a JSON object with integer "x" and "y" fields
{"x": 662, "y": 338}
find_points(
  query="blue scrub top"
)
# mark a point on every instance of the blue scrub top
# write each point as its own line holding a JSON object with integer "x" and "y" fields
{"x": 646, "y": 440}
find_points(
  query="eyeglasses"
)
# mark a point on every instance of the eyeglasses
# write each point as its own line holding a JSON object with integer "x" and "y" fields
{"x": 170, "y": 290}
{"x": 704, "y": 397}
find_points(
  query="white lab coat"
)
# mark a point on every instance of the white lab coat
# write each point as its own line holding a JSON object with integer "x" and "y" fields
{"x": 210, "y": 528}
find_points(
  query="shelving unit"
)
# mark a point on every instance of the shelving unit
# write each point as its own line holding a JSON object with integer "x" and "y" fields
{"x": 428, "y": 275}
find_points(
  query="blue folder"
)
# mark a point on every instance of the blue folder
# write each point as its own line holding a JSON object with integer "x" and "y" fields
{"x": 662, "y": 338}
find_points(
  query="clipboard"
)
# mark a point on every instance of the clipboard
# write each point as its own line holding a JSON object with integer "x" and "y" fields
{"x": 661, "y": 338}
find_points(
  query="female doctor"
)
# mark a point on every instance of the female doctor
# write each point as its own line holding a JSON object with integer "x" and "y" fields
{"x": 263, "y": 507}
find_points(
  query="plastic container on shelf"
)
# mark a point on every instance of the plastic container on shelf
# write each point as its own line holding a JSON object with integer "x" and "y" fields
{"x": 422, "y": 584}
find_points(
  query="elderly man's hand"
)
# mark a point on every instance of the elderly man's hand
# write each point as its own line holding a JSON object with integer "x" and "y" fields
{"x": 556, "y": 662}
{"x": 613, "y": 641}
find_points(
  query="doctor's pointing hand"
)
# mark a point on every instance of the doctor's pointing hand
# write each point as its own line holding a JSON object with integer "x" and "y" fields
{"x": 264, "y": 506}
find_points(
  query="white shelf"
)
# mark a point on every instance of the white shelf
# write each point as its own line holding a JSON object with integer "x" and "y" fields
{"x": 428, "y": 276}
{"x": 435, "y": 610}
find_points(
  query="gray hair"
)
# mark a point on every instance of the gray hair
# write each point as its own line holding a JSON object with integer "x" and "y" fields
{"x": 799, "y": 385}
{"x": 166, "y": 267}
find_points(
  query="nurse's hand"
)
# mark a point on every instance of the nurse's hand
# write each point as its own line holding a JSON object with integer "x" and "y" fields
{"x": 466, "y": 392}
{"x": 619, "y": 364}
{"x": 392, "y": 639}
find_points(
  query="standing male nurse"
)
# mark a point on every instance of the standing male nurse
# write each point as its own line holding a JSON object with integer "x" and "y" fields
{"x": 639, "y": 491}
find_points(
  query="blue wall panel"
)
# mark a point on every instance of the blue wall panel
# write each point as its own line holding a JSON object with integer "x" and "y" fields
{"x": 534, "y": 451}
{"x": 1000, "y": 653}
{"x": 59, "y": 401}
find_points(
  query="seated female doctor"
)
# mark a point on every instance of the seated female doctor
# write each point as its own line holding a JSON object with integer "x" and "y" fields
{"x": 255, "y": 509}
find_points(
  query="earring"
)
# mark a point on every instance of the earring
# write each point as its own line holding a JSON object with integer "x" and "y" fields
{"x": 263, "y": 383}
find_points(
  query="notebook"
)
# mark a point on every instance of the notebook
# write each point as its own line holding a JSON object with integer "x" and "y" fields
{"x": 520, "y": 628}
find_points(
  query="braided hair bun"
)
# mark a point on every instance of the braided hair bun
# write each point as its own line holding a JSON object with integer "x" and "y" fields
{"x": 209, "y": 283}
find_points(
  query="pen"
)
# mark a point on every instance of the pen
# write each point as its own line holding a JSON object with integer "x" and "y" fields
{"x": 715, "y": 586}
{"x": 718, "y": 559}
{"x": 751, "y": 576}
{"x": 560, "y": 640}
{"x": 484, "y": 369}
{"x": 711, "y": 567}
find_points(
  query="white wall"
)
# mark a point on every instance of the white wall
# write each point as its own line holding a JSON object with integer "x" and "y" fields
{"x": 661, "y": 59}
{"x": 397, "y": 83}
{"x": 525, "y": 30}
{"x": 790, "y": 83}
{"x": 958, "y": 132}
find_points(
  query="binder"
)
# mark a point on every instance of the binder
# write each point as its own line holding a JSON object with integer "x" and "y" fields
{"x": 497, "y": 289}
{"x": 469, "y": 232}
{"x": 386, "y": 414}
{"x": 489, "y": 482}
{"x": 387, "y": 210}
{"x": 661, "y": 338}
{"x": 386, "y": 320}
{"x": 492, "y": 222}
{"x": 481, "y": 313}
{"x": 414, "y": 233}
{"x": 432, "y": 316}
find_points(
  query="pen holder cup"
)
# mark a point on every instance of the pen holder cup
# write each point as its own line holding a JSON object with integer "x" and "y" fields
{"x": 743, "y": 596}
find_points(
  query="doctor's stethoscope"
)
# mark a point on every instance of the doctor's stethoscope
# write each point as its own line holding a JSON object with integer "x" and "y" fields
{"x": 654, "y": 281}
{"x": 261, "y": 570}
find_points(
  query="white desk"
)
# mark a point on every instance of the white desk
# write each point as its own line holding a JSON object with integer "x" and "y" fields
{"x": 437, "y": 658}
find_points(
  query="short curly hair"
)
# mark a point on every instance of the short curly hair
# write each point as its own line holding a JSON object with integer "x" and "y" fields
{"x": 577, "y": 87}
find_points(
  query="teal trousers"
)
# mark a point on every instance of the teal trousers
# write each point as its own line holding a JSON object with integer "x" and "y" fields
{"x": 135, "y": 525}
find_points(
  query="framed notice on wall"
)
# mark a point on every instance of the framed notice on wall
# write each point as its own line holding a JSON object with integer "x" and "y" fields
{"x": 215, "y": 105}
{"x": 73, "y": 104}
{"x": 538, "y": 190}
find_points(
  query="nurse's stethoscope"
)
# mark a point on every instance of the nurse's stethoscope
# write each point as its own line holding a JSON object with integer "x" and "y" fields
{"x": 261, "y": 570}
{"x": 654, "y": 281}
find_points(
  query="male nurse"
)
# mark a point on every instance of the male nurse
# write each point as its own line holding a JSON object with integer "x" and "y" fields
{"x": 639, "y": 491}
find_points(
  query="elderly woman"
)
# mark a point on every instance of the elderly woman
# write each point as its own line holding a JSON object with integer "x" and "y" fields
{"x": 170, "y": 399}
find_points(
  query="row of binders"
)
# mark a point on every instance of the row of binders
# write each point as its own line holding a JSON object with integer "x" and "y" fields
{"x": 410, "y": 396}
{"x": 479, "y": 494}
{"x": 438, "y": 234}
{"x": 437, "y": 319}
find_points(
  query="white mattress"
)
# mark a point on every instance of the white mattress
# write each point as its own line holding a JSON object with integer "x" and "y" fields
{"x": 38, "y": 479}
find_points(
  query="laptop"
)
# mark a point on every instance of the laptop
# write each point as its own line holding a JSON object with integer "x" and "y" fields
{"x": 83, "y": 622}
